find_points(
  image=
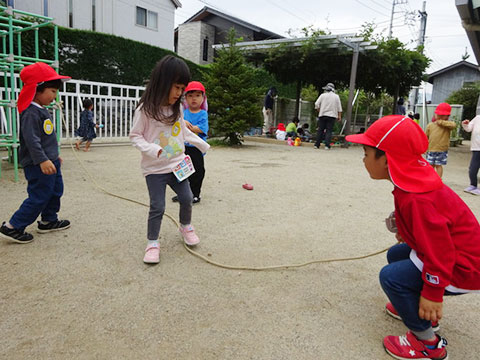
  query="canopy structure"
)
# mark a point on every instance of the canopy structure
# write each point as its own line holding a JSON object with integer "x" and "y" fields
{"x": 14, "y": 23}
{"x": 349, "y": 41}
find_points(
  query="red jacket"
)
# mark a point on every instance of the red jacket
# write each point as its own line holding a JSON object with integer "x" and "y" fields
{"x": 445, "y": 234}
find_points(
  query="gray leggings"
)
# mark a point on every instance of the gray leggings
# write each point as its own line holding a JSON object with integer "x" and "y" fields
{"x": 473, "y": 169}
{"x": 157, "y": 184}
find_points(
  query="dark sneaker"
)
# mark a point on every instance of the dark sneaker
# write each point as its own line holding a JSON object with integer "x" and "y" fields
{"x": 53, "y": 226}
{"x": 175, "y": 198}
{"x": 196, "y": 199}
{"x": 18, "y": 236}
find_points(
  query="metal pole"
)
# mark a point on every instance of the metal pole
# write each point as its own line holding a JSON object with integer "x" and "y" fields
{"x": 391, "y": 20}
{"x": 12, "y": 96}
{"x": 353, "y": 76}
{"x": 420, "y": 42}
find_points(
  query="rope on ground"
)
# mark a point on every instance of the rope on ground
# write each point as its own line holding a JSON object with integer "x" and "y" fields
{"x": 194, "y": 253}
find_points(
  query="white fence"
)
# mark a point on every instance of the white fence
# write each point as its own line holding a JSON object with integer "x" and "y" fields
{"x": 114, "y": 106}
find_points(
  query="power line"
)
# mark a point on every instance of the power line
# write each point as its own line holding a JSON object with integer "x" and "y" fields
{"x": 296, "y": 7}
{"x": 379, "y": 4}
{"x": 371, "y": 8}
{"x": 287, "y": 11}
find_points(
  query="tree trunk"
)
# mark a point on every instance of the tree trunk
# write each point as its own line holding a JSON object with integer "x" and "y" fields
{"x": 395, "y": 99}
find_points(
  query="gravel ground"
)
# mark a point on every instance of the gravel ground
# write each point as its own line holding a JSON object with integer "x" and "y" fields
{"x": 85, "y": 293}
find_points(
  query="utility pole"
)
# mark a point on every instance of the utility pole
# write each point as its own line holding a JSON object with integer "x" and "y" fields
{"x": 394, "y": 3}
{"x": 420, "y": 43}
{"x": 423, "y": 26}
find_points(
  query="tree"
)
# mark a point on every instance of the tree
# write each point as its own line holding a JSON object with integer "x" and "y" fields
{"x": 468, "y": 97}
{"x": 232, "y": 97}
{"x": 390, "y": 68}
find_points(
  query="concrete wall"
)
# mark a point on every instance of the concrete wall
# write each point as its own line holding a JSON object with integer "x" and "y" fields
{"x": 446, "y": 83}
{"x": 117, "y": 17}
{"x": 190, "y": 41}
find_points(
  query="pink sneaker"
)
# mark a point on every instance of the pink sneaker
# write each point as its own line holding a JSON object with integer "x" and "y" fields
{"x": 189, "y": 236}
{"x": 152, "y": 254}
{"x": 390, "y": 310}
{"x": 409, "y": 347}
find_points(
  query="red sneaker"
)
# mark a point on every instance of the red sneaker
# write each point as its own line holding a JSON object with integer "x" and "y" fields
{"x": 390, "y": 310}
{"x": 409, "y": 347}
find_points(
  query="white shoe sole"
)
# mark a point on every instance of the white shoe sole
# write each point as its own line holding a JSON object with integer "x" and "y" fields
{"x": 2, "y": 235}
{"x": 51, "y": 230}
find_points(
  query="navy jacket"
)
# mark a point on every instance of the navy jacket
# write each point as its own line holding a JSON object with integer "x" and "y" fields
{"x": 38, "y": 140}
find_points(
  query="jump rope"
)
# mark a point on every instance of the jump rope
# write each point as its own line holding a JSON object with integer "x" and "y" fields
{"x": 59, "y": 105}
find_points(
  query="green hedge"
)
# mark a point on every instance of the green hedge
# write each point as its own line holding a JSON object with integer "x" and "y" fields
{"x": 93, "y": 56}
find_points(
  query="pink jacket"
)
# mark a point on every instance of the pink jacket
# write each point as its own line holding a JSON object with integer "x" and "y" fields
{"x": 150, "y": 136}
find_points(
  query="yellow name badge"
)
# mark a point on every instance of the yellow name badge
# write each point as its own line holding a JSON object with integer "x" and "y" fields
{"x": 48, "y": 126}
{"x": 176, "y": 128}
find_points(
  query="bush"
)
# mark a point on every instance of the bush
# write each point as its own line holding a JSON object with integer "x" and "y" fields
{"x": 92, "y": 56}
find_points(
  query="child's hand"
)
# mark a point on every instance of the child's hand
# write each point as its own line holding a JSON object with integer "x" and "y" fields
{"x": 430, "y": 310}
{"x": 48, "y": 168}
{"x": 465, "y": 122}
{"x": 189, "y": 125}
{"x": 399, "y": 238}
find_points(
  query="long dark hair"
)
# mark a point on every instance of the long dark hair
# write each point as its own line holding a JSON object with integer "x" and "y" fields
{"x": 168, "y": 71}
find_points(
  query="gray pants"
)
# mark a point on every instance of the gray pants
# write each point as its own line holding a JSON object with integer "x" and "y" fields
{"x": 157, "y": 185}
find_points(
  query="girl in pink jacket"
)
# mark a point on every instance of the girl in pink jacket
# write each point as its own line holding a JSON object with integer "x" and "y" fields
{"x": 159, "y": 132}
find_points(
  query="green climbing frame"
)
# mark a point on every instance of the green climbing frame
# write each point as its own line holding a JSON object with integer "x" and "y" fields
{"x": 14, "y": 23}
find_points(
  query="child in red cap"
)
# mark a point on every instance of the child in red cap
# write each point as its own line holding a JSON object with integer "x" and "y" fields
{"x": 438, "y": 134}
{"x": 439, "y": 237}
{"x": 196, "y": 119}
{"x": 38, "y": 155}
{"x": 280, "y": 133}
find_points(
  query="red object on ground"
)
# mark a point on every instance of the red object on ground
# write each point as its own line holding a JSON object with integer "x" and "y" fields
{"x": 247, "y": 186}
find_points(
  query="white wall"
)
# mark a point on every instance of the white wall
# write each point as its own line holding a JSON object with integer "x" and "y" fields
{"x": 117, "y": 17}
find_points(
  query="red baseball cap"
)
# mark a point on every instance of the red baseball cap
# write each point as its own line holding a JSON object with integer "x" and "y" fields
{"x": 443, "y": 109}
{"x": 31, "y": 76}
{"x": 403, "y": 142}
{"x": 195, "y": 85}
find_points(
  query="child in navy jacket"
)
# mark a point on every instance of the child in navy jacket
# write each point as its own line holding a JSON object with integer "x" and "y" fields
{"x": 38, "y": 155}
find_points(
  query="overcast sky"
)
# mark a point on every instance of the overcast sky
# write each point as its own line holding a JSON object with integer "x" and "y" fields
{"x": 445, "y": 40}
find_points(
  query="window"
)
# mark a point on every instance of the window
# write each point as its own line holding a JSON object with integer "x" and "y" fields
{"x": 152, "y": 20}
{"x": 45, "y": 7}
{"x": 141, "y": 16}
{"x": 11, "y": 3}
{"x": 93, "y": 15}
{"x": 205, "y": 49}
{"x": 70, "y": 13}
{"x": 147, "y": 18}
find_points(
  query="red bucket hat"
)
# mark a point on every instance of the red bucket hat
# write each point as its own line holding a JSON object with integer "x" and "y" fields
{"x": 443, "y": 109}
{"x": 403, "y": 142}
{"x": 31, "y": 76}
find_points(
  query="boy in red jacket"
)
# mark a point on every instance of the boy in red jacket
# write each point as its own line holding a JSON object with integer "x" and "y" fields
{"x": 439, "y": 237}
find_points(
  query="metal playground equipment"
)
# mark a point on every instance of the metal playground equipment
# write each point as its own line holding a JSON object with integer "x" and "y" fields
{"x": 13, "y": 24}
